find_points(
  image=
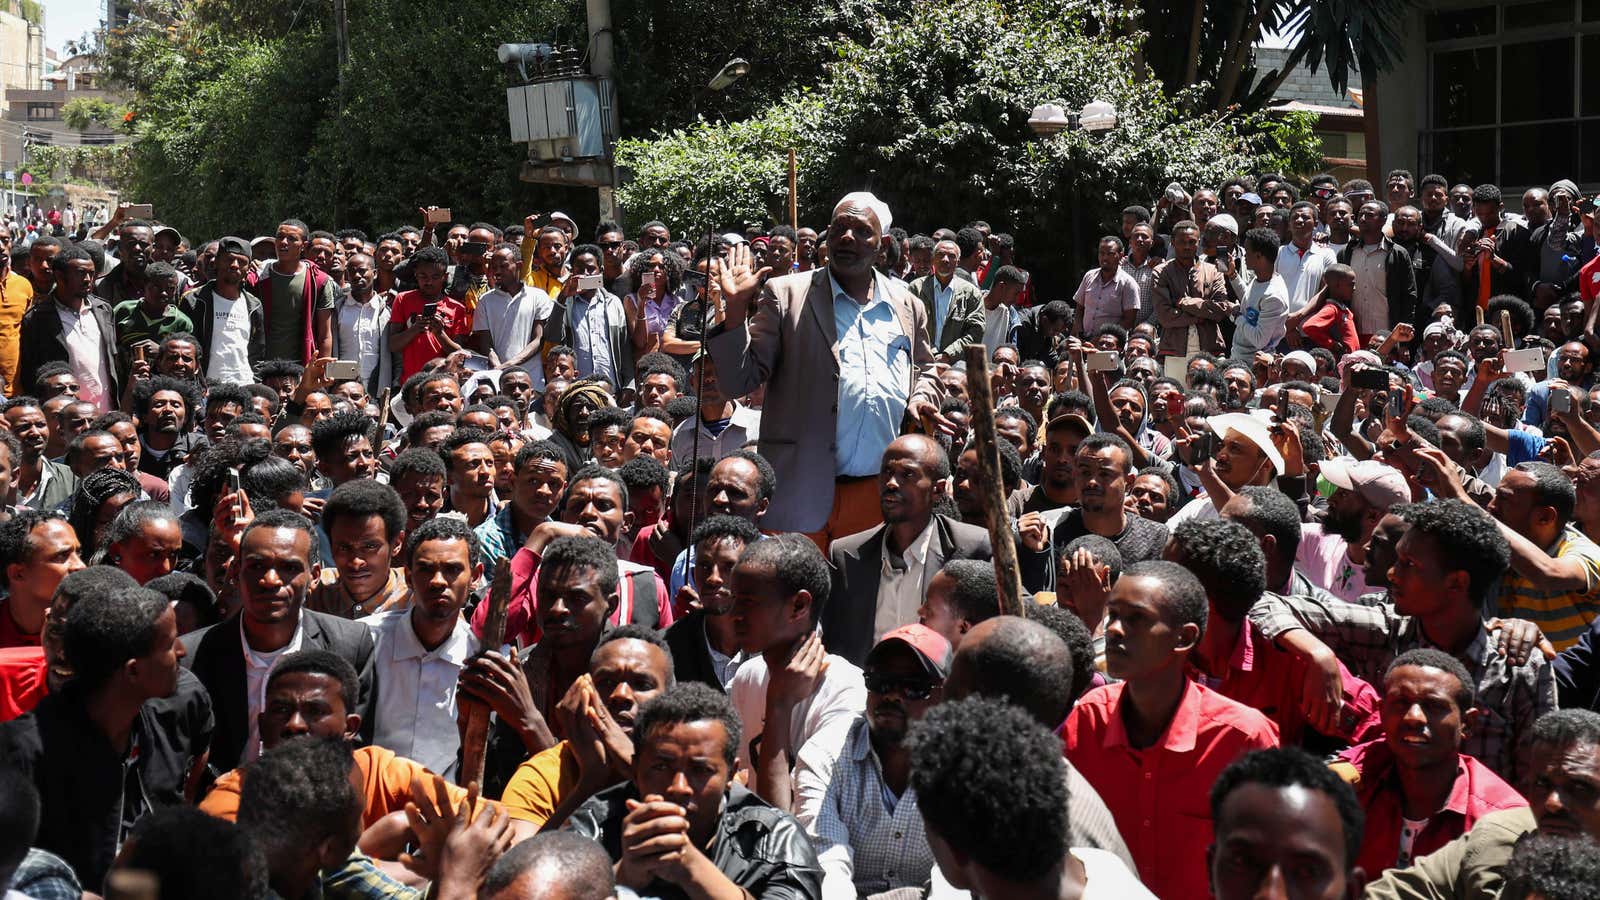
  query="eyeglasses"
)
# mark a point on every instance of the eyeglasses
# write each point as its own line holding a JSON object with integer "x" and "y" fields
{"x": 610, "y": 245}
{"x": 909, "y": 688}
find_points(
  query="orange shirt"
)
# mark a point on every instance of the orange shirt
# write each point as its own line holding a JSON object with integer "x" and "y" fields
{"x": 1160, "y": 795}
{"x": 539, "y": 785}
{"x": 16, "y": 295}
{"x": 385, "y": 785}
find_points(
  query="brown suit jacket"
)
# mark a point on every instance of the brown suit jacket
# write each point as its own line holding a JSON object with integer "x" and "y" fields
{"x": 788, "y": 343}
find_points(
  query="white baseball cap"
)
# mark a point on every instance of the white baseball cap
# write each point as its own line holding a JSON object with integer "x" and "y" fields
{"x": 1255, "y": 429}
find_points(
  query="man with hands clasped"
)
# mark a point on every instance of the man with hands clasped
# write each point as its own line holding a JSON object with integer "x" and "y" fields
{"x": 682, "y": 826}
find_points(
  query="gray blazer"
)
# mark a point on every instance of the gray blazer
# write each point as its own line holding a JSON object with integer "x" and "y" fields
{"x": 963, "y": 323}
{"x": 788, "y": 343}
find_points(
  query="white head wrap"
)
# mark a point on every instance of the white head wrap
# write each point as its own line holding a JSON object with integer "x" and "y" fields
{"x": 870, "y": 201}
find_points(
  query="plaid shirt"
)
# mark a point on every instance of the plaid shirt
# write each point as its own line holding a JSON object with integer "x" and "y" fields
{"x": 42, "y": 875}
{"x": 865, "y": 847}
{"x": 1368, "y": 638}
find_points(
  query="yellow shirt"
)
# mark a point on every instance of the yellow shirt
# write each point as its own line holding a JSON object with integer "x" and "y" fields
{"x": 541, "y": 783}
{"x": 16, "y": 295}
{"x": 534, "y": 274}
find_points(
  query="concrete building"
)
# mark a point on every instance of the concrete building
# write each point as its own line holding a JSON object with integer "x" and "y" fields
{"x": 34, "y": 115}
{"x": 1488, "y": 91}
{"x": 1339, "y": 116}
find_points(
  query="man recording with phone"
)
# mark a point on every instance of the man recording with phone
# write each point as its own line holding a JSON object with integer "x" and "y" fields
{"x": 591, "y": 320}
{"x": 425, "y": 323}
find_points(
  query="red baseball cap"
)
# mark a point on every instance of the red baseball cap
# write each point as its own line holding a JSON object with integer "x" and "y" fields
{"x": 933, "y": 651}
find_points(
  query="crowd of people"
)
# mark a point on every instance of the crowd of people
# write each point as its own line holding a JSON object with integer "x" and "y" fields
{"x": 1301, "y": 482}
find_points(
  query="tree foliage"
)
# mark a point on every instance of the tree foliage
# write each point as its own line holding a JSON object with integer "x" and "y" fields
{"x": 930, "y": 112}
{"x": 1189, "y": 42}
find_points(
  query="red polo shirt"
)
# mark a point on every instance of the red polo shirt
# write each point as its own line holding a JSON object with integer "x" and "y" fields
{"x": 1476, "y": 793}
{"x": 1589, "y": 280}
{"x": 22, "y": 681}
{"x": 1161, "y": 796}
{"x": 1265, "y": 677}
{"x": 425, "y": 346}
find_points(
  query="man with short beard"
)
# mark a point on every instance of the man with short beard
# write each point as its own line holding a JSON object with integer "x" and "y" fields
{"x": 229, "y": 321}
{"x": 165, "y": 408}
{"x": 1333, "y": 554}
{"x": 845, "y": 775}
{"x": 1103, "y": 470}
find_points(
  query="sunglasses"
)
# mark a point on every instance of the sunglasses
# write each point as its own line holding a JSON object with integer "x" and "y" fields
{"x": 610, "y": 245}
{"x": 909, "y": 688}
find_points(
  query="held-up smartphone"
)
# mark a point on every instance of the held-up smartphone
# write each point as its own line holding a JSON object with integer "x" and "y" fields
{"x": 343, "y": 370}
{"x": 474, "y": 248}
{"x": 1529, "y": 360}
{"x": 1283, "y": 406}
{"x": 1329, "y": 402}
{"x": 1370, "y": 379}
{"x": 1204, "y": 446}
{"x": 232, "y": 482}
{"x": 140, "y": 211}
{"x": 438, "y": 215}
{"x": 590, "y": 282}
{"x": 1560, "y": 402}
{"x": 429, "y": 309}
{"x": 1103, "y": 361}
{"x": 1396, "y": 407}
{"x": 138, "y": 353}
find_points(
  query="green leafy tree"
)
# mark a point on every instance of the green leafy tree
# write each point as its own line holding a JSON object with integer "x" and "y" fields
{"x": 931, "y": 113}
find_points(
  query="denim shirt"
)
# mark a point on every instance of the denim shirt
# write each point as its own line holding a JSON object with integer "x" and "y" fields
{"x": 874, "y": 377}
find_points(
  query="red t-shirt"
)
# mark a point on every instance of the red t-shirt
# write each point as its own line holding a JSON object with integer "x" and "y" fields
{"x": 1333, "y": 323}
{"x": 22, "y": 681}
{"x": 10, "y": 634}
{"x": 425, "y": 346}
{"x": 1589, "y": 280}
{"x": 522, "y": 625}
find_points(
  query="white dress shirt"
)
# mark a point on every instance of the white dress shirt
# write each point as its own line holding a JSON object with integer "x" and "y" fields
{"x": 415, "y": 713}
{"x": 82, "y": 333}
{"x": 902, "y": 583}
{"x": 1302, "y": 273}
{"x": 363, "y": 333}
{"x": 257, "y": 666}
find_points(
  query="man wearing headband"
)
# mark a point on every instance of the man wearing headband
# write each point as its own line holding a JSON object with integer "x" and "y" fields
{"x": 844, "y": 354}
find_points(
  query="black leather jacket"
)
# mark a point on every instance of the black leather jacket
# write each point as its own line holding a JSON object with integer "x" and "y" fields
{"x": 759, "y": 847}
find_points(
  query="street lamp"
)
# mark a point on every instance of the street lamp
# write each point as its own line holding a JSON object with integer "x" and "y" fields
{"x": 1050, "y": 119}
{"x": 731, "y": 71}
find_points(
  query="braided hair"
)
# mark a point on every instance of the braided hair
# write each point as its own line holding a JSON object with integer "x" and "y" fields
{"x": 92, "y": 492}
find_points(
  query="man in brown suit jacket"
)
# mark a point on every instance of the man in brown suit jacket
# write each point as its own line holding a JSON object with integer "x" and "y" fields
{"x": 845, "y": 356}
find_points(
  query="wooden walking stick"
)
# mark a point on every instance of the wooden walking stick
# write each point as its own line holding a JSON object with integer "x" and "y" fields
{"x": 475, "y": 737}
{"x": 990, "y": 491}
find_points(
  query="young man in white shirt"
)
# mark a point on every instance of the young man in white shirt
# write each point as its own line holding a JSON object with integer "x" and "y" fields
{"x": 508, "y": 322}
{"x": 361, "y": 325}
{"x": 228, "y": 320}
{"x": 420, "y": 651}
{"x": 1262, "y": 319}
{"x": 789, "y": 688}
{"x": 1302, "y": 261}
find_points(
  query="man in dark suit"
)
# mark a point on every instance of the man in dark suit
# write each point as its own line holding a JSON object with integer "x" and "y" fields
{"x": 702, "y": 642}
{"x": 881, "y": 575}
{"x": 274, "y": 569}
{"x": 72, "y": 325}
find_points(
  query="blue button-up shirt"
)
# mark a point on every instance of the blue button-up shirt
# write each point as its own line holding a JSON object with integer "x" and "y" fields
{"x": 874, "y": 377}
{"x": 942, "y": 295}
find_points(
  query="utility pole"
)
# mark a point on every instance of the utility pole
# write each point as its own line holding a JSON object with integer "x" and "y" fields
{"x": 600, "y": 63}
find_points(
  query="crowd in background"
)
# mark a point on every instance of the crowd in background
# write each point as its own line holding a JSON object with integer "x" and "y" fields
{"x": 1301, "y": 481}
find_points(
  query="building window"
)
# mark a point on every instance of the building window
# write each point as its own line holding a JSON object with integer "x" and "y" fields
{"x": 1503, "y": 104}
{"x": 42, "y": 112}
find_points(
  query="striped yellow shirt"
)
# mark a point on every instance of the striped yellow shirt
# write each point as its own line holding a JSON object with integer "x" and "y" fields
{"x": 1563, "y": 616}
